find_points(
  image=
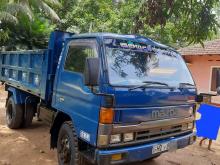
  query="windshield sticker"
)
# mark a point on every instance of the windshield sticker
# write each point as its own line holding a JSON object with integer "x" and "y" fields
{"x": 167, "y": 52}
{"x": 128, "y": 44}
{"x": 132, "y": 45}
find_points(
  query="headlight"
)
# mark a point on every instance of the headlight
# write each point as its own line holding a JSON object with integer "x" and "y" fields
{"x": 115, "y": 138}
{"x": 190, "y": 125}
{"x": 128, "y": 137}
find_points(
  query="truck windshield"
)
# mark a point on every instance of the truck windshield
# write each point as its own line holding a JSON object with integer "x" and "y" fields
{"x": 131, "y": 64}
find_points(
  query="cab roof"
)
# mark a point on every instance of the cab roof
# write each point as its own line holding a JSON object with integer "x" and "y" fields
{"x": 137, "y": 38}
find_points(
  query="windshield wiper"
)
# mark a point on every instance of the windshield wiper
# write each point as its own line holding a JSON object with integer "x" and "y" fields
{"x": 149, "y": 84}
{"x": 187, "y": 85}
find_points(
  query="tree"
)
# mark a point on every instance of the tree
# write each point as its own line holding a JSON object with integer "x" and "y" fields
{"x": 10, "y": 8}
{"x": 28, "y": 34}
{"x": 188, "y": 21}
{"x": 173, "y": 22}
{"x": 101, "y": 16}
{"x": 25, "y": 23}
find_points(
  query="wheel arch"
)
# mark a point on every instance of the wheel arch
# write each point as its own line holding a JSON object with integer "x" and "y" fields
{"x": 59, "y": 119}
{"x": 18, "y": 95}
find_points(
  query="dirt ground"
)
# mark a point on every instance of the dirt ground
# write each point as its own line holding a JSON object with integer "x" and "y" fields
{"x": 31, "y": 147}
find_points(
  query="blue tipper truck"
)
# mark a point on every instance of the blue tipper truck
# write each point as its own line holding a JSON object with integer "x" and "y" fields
{"x": 108, "y": 98}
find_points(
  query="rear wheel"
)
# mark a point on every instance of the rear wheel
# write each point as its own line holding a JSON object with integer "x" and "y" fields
{"x": 28, "y": 115}
{"x": 14, "y": 114}
{"x": 67, "y": 146}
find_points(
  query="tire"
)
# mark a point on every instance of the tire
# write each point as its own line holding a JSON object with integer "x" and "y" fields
{"x": 14, "y": 114}
{"x": 28, "y": 117}
{"x": 67, "y": 146}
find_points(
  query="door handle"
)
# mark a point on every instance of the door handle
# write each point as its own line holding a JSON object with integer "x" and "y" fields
{"x": 61, "y": 99}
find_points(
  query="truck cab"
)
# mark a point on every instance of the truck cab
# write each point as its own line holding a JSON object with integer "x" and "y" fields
{"x": 128, "y": 98}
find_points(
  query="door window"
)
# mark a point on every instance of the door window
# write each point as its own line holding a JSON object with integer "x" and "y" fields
{"x": 77, "y": 54}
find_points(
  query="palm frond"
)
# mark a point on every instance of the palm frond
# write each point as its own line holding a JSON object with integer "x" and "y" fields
{"x": 53, "y": 3}
{"x": 14, "y": 8}
{"x": 7, "y": 17}
{"x": 45, "y": 8}
{"x": 49, "y": 11}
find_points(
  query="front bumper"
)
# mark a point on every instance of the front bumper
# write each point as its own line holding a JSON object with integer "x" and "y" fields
{"x": 142, "y": 152}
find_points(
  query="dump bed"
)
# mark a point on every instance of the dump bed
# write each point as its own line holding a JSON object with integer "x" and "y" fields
{"x": 26, "y": 70}
{"x": 33, "y": 71}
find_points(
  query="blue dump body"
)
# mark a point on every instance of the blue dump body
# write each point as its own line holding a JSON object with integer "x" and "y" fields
{"x": 33, "y": 71}
{"x": 25, "y": 70}
{"x": 108, "y": 98}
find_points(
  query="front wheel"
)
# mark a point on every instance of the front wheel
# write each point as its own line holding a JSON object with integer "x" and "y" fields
{"x": 67, "y": 146}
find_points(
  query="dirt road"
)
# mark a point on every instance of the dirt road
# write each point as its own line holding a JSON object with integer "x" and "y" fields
{"x": 31, "y": 147}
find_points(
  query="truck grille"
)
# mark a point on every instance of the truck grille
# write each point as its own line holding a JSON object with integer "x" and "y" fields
{"x": 161, "y": 132}
{"x": 153, "y": 131}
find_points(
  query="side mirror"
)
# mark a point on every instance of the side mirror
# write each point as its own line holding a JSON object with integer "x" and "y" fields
{"x": 218, "y": 90}
{"x": 91, "y": 72}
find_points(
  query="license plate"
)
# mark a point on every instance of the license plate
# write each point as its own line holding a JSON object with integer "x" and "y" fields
{"x": 160, "y": 148}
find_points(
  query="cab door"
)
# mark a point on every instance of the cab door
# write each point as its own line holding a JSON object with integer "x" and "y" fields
{"x": 71, "y": 96}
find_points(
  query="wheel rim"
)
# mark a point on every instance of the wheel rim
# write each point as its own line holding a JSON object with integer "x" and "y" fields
{"x": 65, "y": 150}
{"x": 9, "y": 115}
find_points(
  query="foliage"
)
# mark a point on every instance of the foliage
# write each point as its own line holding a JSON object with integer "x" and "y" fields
{"x": 192, "y": 21}
{"x": 100, "y": 16}
{"x": 29, "y": 34}
{"x": 10, "y": 8}
{"x": 23, "y": 23}
{"x": 4, "y": 35}
{"x": 174, "y": 22}
{"x": 42, "y": 6}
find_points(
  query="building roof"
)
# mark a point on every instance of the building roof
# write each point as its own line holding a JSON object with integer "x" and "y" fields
{"x": 210, "y": 48}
